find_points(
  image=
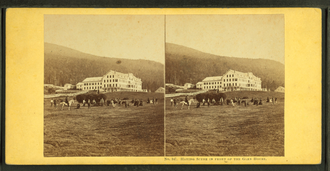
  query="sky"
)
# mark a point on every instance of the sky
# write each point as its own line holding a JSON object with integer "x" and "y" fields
{"x": 119, "y": 36}
{"x": 247, "y": 36}
{"x": 143, "y": 36}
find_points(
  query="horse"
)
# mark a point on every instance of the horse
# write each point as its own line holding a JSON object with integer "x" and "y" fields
{"x": 185, "y": 103}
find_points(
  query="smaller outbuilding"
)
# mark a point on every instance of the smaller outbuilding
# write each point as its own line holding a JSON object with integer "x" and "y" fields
{"x": 68, "y": 86}
{"x": 160, "y": 90}
{"x": 188, "y": 85}
{"x": 280, "y": 89}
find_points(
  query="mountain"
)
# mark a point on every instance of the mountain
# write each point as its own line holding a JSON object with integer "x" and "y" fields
{"x": 187, "y": 65}
{"x": 65, "y": 65}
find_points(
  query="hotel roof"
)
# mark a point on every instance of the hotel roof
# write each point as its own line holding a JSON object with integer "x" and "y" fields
{"x": 93, "y": 79}
{"x": 214, "y": 78}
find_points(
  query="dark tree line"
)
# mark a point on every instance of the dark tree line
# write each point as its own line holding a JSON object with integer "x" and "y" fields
{"x": 191, "y": 66}
{"x": 60, "y": 70}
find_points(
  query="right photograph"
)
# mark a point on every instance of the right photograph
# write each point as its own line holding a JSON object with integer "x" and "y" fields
{"x": 225, "y": 85}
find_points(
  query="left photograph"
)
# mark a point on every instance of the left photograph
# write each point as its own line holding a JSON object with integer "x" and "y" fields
{"x": 103, "y": 85}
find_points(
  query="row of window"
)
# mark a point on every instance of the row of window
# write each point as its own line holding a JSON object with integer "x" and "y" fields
{"x": 114, "y": 80}
{"x": 231, "y": 75}
{"x": 211, "y": 87}
{"x": 211, "y": 83}
{"x": 109, "y": 85}
{"x": 110, "y": 76}
{"x": 86, "y": 84}
{"x": 92, "y": 88}
{"x": 234, "y": 79}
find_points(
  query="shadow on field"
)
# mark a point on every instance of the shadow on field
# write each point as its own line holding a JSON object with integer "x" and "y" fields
{"x": 106, "y": 131}
{"x": 227, "y": 130}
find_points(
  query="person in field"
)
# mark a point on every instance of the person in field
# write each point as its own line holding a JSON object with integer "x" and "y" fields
{"x": 208, "y": 102}
{"x": 260, "y": 102}
{"x": 102, "y": 102}
{"x": 71, "y": 103}
{"x": 203, "y": 102}
{"x": 221, "y": 101}
{"x": 55, "y": 103}
{"x": 171, "y": 101}
{"x": 174, "y": 102}
{"x": 256, "y": 102}
{"x": 232, "y": 102}
{"x": 113, "y": 103}
{"x": 94, "y": 102}
{"x": 66, "y": 100}
{"x": 273, "y": 100}
{"x": 270, "y": 100}
{"x": 89, "y": 103}
{"x": 239, "y": 101}
{"x": 51, "y": 102}
{"x": 213, "y": 101}
{"x": 137, "y": 102}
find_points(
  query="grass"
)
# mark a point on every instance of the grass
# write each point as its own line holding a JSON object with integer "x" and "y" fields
{"x": 106, "y": 131}
{"x": 227, "y": 130}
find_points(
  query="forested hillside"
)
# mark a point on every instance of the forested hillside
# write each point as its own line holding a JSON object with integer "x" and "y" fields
{"x": 64, "y": 65}
{"x": 187, "y": 65}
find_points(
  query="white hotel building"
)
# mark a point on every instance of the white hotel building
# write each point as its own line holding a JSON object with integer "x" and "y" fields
{"x": 232, "y": 81}
{"x": 113, "y": 81}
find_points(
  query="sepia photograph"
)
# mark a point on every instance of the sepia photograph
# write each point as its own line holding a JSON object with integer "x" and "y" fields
{"x": 224, "y": 83}
{"x": 197, "y": 86}
{"x": 103, "y": 85}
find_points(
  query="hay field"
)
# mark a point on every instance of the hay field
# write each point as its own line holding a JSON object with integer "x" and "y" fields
{"x": 106, "y": 131}
{"x": 227, "y": 130}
